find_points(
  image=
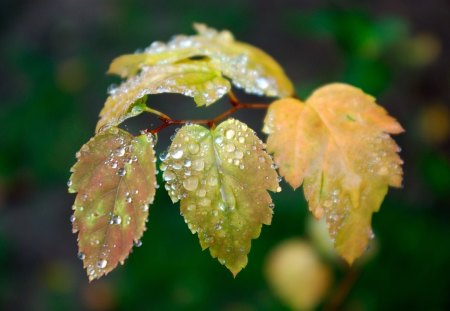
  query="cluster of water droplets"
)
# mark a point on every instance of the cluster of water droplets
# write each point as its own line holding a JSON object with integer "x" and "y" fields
{"x": 184, "y": 165}
{"x": 382, "y": 158}
{"x": 206, "y": 87}
{"x": 195, "y": 170}
{"x": 218, "y": 46}
{"x": 121, "y": 159}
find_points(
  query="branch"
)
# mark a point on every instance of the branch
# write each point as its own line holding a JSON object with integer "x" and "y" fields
{"x": 235, "y": 106}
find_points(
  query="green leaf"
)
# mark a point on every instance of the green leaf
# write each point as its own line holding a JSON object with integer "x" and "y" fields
{"x": 247, "y": 66}
{"x": 222, "y": 177}
{"x": 198, "y": 79}
{"x": 115, "y": 181}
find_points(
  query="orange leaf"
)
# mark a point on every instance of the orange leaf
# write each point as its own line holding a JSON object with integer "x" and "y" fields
{"x": 337, "y": 145}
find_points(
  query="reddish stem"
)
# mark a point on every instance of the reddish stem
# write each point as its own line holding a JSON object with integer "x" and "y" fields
{"x": 235, "y": 106}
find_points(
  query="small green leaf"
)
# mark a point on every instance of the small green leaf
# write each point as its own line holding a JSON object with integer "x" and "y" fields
{"x": 248, "y": 67}
{"x": 115, "y": 181}
{"x": 222, "y": 177}
{"x": 198, "y": 79}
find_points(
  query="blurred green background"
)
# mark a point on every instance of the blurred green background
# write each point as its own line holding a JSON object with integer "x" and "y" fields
{"x": 54, "y": 55}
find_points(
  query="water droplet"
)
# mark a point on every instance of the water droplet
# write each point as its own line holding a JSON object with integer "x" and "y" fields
{"x": 279, "y": 189}
{"x": 122, "y": 172}
{"x": 230, "y": 147}
{"x": 116, "y": 220}
{"x": 168, "y": 176}
{"x": 239, "y": 154}
{"x": 271, "y": 205}
{"x": 163, "y": 156}
{"x": 193, "y": 148}
{"x": 177, "y": 154}
{"x": 177, "y": 166}
{"x": 205, "y": 202}
{"x": 241, "y": 139}
{"x": 229, "y": 134}
{"x": 219, "y": 140}
{"x": 101, "y": 264}
{"x": 262, "y": 83}
{"x": 187, "y": 163}
{"x": 138, "y": 243}
{"x": 69, "y": 183}
{"x": 120, "y": 152}
{"x": 198, "y": 165}
{"x": 72, "y": 218}
{"x": 81, "y": 255}
{"x": 190, "y": 183}
{"x": 144, "y": 208}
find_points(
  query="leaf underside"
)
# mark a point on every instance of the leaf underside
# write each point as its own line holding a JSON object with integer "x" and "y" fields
{"x": 115, "y": 181}
{"x": 221, "y": 177}
{"x": 248, "y": 67}
{"x": 198, "y": 79}
{"x": 337, "y": 144}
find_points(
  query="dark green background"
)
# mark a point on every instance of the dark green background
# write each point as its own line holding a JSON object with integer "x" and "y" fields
{"x": 54, "y": 55}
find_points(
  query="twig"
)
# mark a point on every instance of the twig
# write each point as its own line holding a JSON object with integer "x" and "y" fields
{"x": 343, "y": 289}
{"x": 235, "y": 106}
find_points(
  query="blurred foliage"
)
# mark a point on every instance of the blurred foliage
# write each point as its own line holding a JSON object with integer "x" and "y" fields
{"x": 54, "y": 56}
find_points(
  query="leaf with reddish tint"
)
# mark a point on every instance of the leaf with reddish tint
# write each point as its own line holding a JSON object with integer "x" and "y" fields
{"x": 337, "y": 144}
{"x": 114, "y": 179}
{"x": 221, "y": 177}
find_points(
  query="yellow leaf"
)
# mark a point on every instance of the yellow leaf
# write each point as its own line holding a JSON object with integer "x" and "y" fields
{"x": 247, "y": 66}
{"x": 198, "y": 79}
{"x": 337, "y": 144}
{"x": 221, "y": 177}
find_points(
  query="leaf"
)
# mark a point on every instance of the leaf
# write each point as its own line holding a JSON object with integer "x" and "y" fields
{"x": 247, "y": 66}
{"x": 198, "y": 79}
{"x": 337, "y": 145}
{"x": 222, "y": 177}
{"x": 115, "y": 181}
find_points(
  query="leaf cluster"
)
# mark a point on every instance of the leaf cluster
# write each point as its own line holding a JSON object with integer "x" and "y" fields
{"x": 336, "y": 144}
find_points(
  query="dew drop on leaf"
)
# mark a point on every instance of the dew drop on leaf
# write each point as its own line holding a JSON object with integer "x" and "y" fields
{"x": 116, "y": 220}
{"x": 190, "y": 183}
{"x": 81, "y": 256}
{"x": 193, "y": 148}
{"x": 101, "y": 264}
{"x": 177, "y": 154}
{"x": 229, "y": 134}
